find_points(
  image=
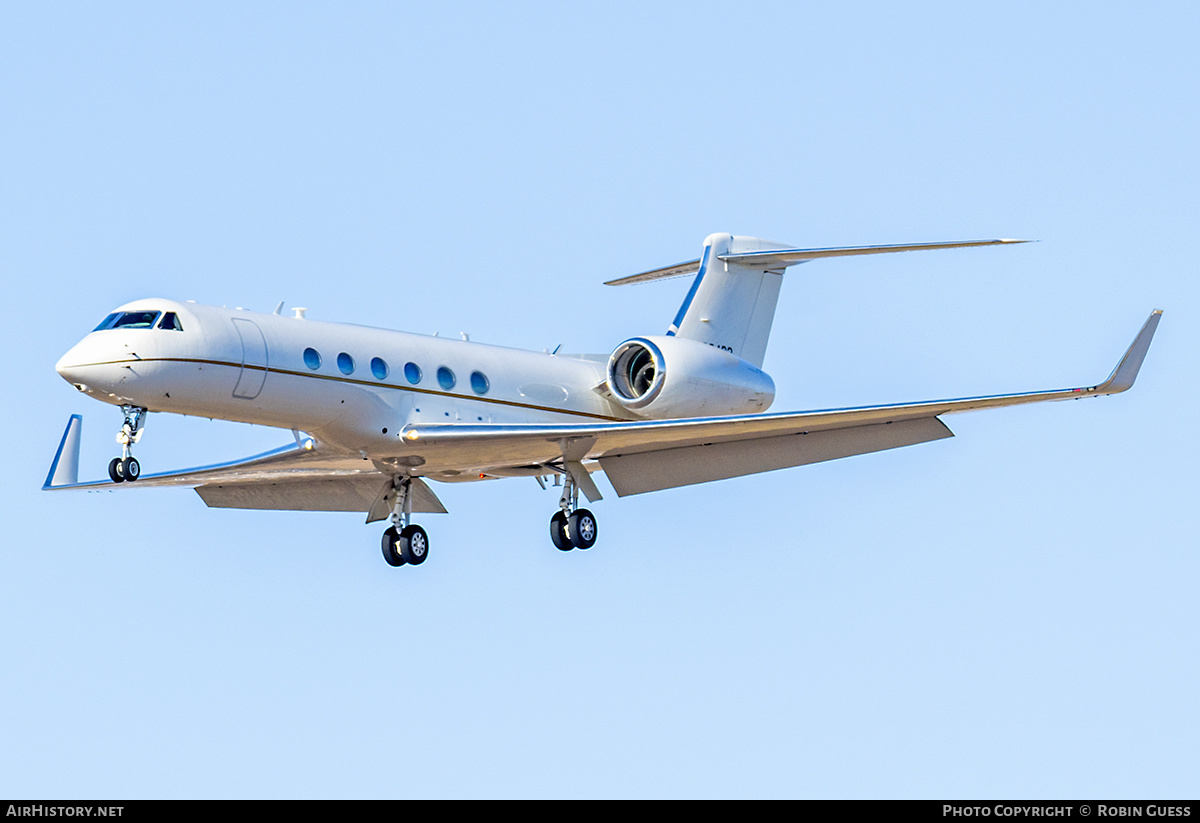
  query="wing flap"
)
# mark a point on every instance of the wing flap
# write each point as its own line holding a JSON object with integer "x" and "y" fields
{"x": 669, "y": 468}
{"x": 305, "y": 495}
{"x": 345, "y": 495}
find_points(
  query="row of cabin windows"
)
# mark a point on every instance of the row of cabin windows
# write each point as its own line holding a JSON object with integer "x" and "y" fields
{"x": 412, "y": 372}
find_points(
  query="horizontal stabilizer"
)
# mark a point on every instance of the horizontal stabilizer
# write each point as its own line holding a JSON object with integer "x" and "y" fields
{"x": 781, "y": 258}
{"x": 665, "y": 273}
{"x": 778, "y": 258}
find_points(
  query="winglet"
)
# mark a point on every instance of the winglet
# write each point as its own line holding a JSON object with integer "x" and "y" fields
{"x": 1127, "y": 370}
{"x": 64, "y": 471}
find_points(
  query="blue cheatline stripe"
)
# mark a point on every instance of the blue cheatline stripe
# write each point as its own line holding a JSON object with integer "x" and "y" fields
{"x": 687, "y": 301}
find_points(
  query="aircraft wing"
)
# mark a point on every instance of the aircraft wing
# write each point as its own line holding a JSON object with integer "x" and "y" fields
{"x": 292, "y": 477}
{"x": 642, "y": 456}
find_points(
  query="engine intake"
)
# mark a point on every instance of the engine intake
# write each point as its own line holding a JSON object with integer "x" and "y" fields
{"x": 665, "y": 377}
{"x": 635, "y": 373}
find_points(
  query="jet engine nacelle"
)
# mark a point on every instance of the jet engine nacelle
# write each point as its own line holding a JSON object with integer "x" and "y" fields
{"x": 664, "y": 377}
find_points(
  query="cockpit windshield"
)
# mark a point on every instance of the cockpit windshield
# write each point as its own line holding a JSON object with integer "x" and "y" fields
{"x": 139, "y": 320}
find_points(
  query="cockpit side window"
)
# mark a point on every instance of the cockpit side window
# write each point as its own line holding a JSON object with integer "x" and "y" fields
{"x": 170, "y": 322}
{"x": 107, "y": 322}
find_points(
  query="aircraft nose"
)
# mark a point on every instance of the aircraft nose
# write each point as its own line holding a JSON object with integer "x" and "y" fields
{"x": 100, "y": 365}
{"x": 87, "y": 366}
{"x": 70, "y": 367}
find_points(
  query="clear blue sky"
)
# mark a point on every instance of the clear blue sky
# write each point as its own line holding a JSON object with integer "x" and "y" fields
{"x": 1009, "y": 613}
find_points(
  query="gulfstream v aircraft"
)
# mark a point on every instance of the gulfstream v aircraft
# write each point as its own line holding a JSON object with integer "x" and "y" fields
{"x": 376, "y": 414}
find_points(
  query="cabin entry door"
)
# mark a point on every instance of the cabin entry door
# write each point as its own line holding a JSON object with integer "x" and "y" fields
{"x": 254, "y": 359}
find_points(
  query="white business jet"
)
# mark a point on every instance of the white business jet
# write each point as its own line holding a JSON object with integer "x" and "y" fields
{"x": 376, "y": 414}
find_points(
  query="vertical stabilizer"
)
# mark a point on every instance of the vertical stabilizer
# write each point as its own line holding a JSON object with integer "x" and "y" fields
{"x": 731, "y": 305}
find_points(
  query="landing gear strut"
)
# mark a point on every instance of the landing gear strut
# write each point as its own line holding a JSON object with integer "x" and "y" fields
{"x": 126, "y": 466}
{"x": 572, "y": 527}
{"x": 404, "y": 542}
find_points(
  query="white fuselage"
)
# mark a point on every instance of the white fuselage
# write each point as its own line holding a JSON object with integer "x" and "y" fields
{"x": 362, "y": 387}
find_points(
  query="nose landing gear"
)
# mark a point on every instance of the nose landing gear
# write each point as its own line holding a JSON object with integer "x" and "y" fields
{"x": 126, "y": 466}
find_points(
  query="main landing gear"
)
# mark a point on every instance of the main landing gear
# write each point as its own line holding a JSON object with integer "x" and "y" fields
{"x": 572, "y": 527}
{"x": 126, "y": 466}
{"x": 404, "y": 542}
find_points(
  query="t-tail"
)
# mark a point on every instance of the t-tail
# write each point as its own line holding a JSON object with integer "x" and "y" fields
{"x": 731, "y": 303}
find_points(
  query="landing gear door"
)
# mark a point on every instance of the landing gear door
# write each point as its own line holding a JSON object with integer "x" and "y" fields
{"x": 254, "y": 359}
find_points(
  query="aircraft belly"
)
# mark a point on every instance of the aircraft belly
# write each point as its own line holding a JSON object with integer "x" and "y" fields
{"x": 477, "y": 457}
{"x": 364, "y": 420}
{"x": 375, "y": 423}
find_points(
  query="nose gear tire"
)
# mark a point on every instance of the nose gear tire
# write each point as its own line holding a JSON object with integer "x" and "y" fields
{"x": 130, "y": 469}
